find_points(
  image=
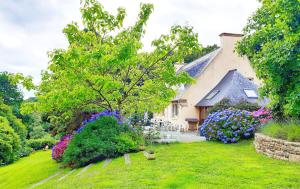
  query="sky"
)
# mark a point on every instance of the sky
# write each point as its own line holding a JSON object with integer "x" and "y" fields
{"x": 31, "y": 28}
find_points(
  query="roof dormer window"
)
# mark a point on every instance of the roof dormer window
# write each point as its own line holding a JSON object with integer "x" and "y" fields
{"x": 250, "y": 93}
{"x": 212, "y": 94}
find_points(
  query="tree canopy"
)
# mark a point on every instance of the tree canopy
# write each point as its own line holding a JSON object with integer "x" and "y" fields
{"x": 272, "y": 43}
{"x": 9, "y": 91}
{"x": 105, "y": 67}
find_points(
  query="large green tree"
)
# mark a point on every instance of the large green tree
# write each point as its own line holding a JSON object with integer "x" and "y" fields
{"x": 272, "y": 43}
{"x": 9, "y": 91}
{"x": 105, "y": 67}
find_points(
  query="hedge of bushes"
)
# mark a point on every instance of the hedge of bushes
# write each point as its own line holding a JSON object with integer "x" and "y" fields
{"x": 14, "y": 122}
{"x": 41, "y": 143}
{"x": 10, "y": 143}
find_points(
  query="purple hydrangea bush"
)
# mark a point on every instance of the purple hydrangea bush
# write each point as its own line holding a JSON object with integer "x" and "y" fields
{"x": 228, "y": 126}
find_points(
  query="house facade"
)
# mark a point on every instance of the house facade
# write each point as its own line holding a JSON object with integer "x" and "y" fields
{"x": 223, "y": 68}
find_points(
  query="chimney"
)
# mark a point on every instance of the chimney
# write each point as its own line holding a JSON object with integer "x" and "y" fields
{"x": 228, "y": 40}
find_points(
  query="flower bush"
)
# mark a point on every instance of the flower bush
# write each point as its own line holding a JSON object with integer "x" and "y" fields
{"x": 101, "y": 139}
{"x": 95, "y": 116}
{"x": 263, "y": 115}
{"x": 229, "y": 125}
{"x": 60, "y": 147}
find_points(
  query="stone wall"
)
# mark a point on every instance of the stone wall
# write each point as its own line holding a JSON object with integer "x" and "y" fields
{"x": 276, "y": 148}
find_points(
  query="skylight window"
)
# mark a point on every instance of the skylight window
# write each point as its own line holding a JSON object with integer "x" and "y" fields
{"x": 212, "y": 94}
{"x": 250, "y": 93}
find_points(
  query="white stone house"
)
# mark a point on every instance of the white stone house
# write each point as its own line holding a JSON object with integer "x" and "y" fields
{"x": 218, "y": 75}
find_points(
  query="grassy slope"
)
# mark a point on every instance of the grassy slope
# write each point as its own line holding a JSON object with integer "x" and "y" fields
{"x": 193, "y": 165}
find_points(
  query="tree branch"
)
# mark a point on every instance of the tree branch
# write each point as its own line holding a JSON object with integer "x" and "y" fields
{"x": 146, "y": 70}
{"x": 99, "y": 92}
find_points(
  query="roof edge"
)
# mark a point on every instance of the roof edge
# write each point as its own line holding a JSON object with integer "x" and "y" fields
{"x": 231, "y": 34}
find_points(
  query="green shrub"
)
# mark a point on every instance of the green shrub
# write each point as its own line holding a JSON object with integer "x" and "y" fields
{"x": 14, "y": 122}
{"x": 38, "y": 144}
{"x": 285, "y": 131}
{"x": 103, "y": 138}
{"x": 9, "y": 143}
{"x": 225, "y": 104}
{"x": 25, "y": 151}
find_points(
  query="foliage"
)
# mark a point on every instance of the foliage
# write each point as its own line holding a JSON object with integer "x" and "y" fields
{"x": 272, "y": 44}
{"x": 103, "y": 138}
{"x": 104, "y": 66}
{"x": 150, "y": 134}
{"x": 9, "y": 92}
{"x": 263, "y": 114}
{"x": 200, "y": 52}
{"x": 40, "y": 143}
{"x": 225, "y": 104}
{"x": 95, "y": 116}
{"x": 138, "y": 120}
{"x": 60, "y": 147}
{"x": 14, "y": 122}
{"x": 25, "y": 151}
{"x": 228, "y": 126}
{"x": 285, "y": 131}
{"x": 37, "y": 128}
{"x": 9, "y": 143}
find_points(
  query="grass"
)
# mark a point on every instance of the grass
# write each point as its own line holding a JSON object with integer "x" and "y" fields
{"x": 290, "y": 132}
{"x": 181, "y": 165}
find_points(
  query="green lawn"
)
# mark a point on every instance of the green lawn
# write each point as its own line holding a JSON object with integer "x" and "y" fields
{"x": 189, "y": 165}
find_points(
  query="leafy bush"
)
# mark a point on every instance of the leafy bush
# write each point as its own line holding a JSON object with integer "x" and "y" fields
{"x": 9, "y": 143}
{"x": 38, "y": 144}
{"x": 95, "y": 116}
{"x": 228, "y": 126}
{"x": 25, "y": 151}
{"x": 37, "y": 126}
{"x": 225, "y": 104}
{"x": 60, "y": 147}
{"x": 285, "y": 131}
{"x": 103, "y": 138}
{"x": 14, "y": 122}
{"x": 264, "y": 115}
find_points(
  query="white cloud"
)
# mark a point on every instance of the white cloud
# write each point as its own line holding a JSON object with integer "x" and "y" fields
{"x": 29, "y": 29}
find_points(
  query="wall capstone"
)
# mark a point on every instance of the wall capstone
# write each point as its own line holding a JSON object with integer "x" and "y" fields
{"x": 277, "y": 148}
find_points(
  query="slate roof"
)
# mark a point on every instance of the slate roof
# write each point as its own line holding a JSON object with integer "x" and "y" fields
{"x": 231, "y": 87}
{"x": 196, "y": 67}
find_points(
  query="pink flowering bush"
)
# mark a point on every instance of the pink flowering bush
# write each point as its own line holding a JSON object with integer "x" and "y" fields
{"x": 263, "y": 115}
{"x": 60, "y": 147}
